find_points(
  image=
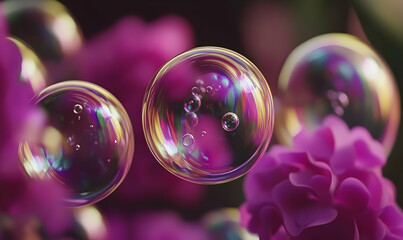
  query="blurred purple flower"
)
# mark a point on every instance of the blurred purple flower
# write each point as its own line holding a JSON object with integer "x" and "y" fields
{"x": 124, "y": 60}
{"x": 328, "y": 186}
{"x": 29, "y": 204}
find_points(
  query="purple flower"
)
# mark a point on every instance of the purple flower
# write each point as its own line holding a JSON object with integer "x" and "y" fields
{"x": 123, "y": 60}
{"x": 328, "y": 186}
{"x": 29, "y": 204}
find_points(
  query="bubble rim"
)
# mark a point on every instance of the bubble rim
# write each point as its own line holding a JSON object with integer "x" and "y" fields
{"x": 84, "y": 86}
{"x": 260, "y": 151}
{"x": 26, "y": 51}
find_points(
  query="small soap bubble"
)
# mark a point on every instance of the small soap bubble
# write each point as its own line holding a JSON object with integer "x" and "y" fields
{"x": 196, "y": 91}
{"x": 77, "y": 109}
{"x": 74, "y": 152}
{"x": 187, "y": 140}
{"x": 230, "y": 121}
{"x": 193, "y": 104}
{"x": 191, "y": 119}
{"x": 183, "y": 113}
{"x": 337, "y": 74}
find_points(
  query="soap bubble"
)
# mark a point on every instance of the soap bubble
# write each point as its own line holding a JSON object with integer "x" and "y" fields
{"x": 193, "y": 104}
{"x": 338, "y": 74}
{"x": 30, "y": 70}
{"x": 227, "y": 129}
{"x": 224, "y": 224}
{"x": 90, "y": 156}
{"x": 187, "y": 140}
{"x": 230, "y": 121}
{"x": 45, "y": 25}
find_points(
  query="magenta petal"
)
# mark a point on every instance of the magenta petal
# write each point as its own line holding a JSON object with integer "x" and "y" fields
{"x": 328, "y": 186}
{"x": 302, "y": 140}
{"x": 392, "y": 216}
{"x": 271, "y": 220}
{"x": 369, "y": 152}
{"x": 319, "y": 145}
{"x": 318, "y": 183}
{"x": 245, "y": 216}
{"x": 339, "y": 130}
{"x": 266, "y": 222}
{"x": 370, "y": 227}
{"x": 315, "y": 175}
{"x": 322, "y": 145}
{"x": 266, "y": 174}
{"x": 343, "y": 227}
{"x": 343, "y": 159}
{"x": 369, "y": 156}
{"x": 298, "y": 210}
{"x": 353, "y": 194}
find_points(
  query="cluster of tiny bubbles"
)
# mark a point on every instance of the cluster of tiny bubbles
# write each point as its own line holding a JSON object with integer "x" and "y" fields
{"x": 46, "y": 25}
{"x": 31, "y": 71}
{"x": 340, "y": 75}
{"x": 86, "y": 142}
{"x": 208, "y": 115}
{"x": 225, "y": 224}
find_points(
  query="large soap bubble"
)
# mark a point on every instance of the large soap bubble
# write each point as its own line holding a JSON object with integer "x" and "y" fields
{"x": 86, "y": 142}
{"x": 208, "y": 115}
{"x": 338, "y": 74}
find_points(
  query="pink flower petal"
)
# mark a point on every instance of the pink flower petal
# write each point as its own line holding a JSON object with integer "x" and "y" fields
{"x": 298, "y": 210}
{"x": 353, "y": 195}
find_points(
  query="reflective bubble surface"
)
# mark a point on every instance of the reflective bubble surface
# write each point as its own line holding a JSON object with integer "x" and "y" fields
{"x": 224, "y": 224}
{"x": 208, "y": 115}
{"x": 338, "y": 74}
{"x": 31, "y": 71}
{"x": 46, "y": 25}
{"x": 86, "y": 143}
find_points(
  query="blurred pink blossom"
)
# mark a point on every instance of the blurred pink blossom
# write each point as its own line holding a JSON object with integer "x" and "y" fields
{"x": 328, "y": 186}
{"x": 27, "y": 203}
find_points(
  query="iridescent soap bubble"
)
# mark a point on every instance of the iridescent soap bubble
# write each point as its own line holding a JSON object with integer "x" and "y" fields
{"x": 229, "y": 129}
{"x": 29, "y": 70}
{"x": 224, "y": 224}
{"x": 230, "y": 121}
{"x": 192, "y": 104}
{"x": 46, "y": 25}
{"x": 191, "y": 119}
{"x": 90, "y": 157}
{"x": 338, "y": 74}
